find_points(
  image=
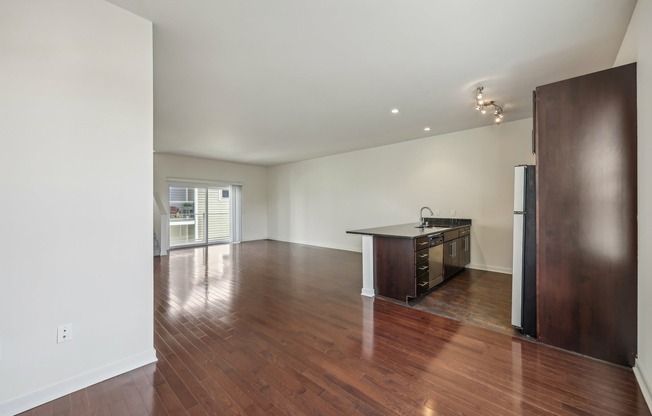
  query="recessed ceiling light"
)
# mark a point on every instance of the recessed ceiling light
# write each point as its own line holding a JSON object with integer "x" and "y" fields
{"x": 394, "y": 110}
{"x": 427, "y": 129}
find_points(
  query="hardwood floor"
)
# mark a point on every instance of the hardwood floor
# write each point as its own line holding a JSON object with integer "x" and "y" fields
{"x": 270, "y": 328}
{"x": 475, "y": 297}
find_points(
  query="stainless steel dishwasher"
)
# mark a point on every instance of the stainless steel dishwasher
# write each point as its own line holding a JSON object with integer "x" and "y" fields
{"x": 436, "y": 259}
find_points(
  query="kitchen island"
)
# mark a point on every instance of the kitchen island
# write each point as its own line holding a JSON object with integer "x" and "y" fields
{"x": 406, "y": 260}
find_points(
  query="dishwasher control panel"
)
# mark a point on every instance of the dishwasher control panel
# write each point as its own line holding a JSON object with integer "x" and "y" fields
{"x": 435, "y": 239}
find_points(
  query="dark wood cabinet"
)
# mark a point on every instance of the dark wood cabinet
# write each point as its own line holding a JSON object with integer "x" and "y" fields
{"x": 421, "y": 265}
{"x": 451, "y": 259}
{"x": 465, "y": 247}
{"x": 585, "y": 138}
{"x": 401, "y": 266}
{"x": 452, "y": 253}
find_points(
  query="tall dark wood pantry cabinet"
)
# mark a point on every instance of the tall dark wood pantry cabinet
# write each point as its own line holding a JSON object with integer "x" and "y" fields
{"x": 585, "y": 134}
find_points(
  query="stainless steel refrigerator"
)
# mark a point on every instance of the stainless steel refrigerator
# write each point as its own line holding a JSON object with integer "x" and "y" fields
{"x": 524, "y": 300}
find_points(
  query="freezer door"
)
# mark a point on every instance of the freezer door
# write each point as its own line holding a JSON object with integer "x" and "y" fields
{"x": 519, "y": 189}
{"x": 517, "y": 271}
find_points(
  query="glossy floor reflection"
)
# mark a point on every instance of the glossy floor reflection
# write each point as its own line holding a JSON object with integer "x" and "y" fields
{"x": 474, "y": 297}
{"x": 271, "y": 328}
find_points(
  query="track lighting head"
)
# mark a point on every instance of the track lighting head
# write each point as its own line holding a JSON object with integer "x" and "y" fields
{"x": 481, "y": 105}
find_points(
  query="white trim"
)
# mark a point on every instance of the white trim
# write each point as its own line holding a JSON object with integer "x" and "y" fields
{"x": 236, "y": 212}
{"x": 313, "y": 244}
{"x": 368, "y": 277}
{"x": 161, "y": 206}
{"x": 370, "y": 293}
{"x": 39, "y": 397}
{"x": 189, "y": 183}
{"x": 643, "y": 384}
{"x": 486, "y": 268}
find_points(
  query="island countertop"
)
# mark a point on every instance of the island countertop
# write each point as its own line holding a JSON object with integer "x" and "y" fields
{"x": 412, "y": 230}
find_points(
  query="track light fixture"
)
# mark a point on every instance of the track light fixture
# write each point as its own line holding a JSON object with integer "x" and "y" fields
{"x": 482, "y": 105}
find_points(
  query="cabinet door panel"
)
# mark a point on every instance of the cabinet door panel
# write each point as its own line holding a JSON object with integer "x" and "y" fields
{"x": 465, "y": 249}
{"x": 394, "y": 267}
{"x": 586, "y": 214}
{"x": 451, "y": 257}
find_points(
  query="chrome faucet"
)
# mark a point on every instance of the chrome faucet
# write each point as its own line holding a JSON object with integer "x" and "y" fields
{"x": 421, "y": 220}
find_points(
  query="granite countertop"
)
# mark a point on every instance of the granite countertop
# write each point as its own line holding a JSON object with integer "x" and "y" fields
{"x": 412, "y": 230}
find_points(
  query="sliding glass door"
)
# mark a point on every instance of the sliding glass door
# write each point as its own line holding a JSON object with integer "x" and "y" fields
{"x": 202, "y": 215}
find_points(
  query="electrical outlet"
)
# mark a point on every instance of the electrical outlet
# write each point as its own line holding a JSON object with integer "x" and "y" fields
{"x": 436, "y": 213}
{"x": 453, "y": 212}
{"x": 64, "y": 333}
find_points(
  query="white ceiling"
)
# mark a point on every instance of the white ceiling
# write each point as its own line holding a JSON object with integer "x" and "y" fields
{"x": 270, "y": 82}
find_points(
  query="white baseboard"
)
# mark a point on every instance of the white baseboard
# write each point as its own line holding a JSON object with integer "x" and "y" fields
{"x": 643, "y": 384}
{"x": 505, "y": 270}
{"x": 319, "y": 244}
{"x": 370, "y": 293}
{"x": 39, "y": 397}
{"x": 486, "y": 268}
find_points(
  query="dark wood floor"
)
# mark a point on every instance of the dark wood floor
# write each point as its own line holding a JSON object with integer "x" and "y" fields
{"x": 475, "y": 297}
{"x": 269, "y": 328}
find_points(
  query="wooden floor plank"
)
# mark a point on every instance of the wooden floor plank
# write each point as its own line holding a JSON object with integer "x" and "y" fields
{"x": 477, "y": 297}
{"x": 271, "y": 328}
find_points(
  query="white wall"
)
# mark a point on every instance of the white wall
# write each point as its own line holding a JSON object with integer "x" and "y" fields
{"x": 253, "y": 178}
{"x": 472, "y": 171}
{"x": 636, "y": 47}
{"x": 76, "y": 186}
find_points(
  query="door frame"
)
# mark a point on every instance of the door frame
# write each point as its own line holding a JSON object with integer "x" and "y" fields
{"x": 235, "y": 207}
